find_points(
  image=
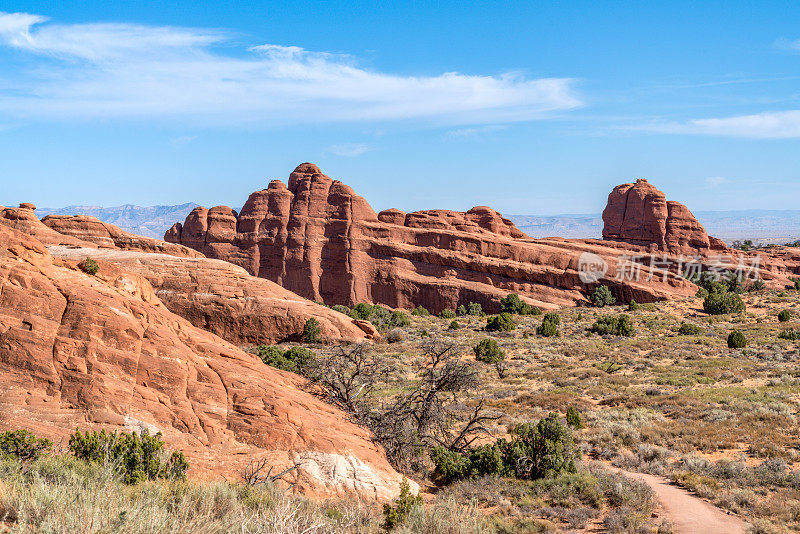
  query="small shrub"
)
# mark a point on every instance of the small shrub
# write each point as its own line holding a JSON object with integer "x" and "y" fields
{"x": 549, "y": 326}
{"x": 796, "y": 283}
{"x": 447, "y": 314}
{"x": 488, "y": 351}
{"x": 619, "y": 325}
{"x": 790, "y": 335}
{"x": 536, "y": 450}
{"x": 689, "y": 329}
{"x": 574, "y": 418}
{"x": 137, "y": 456}
{"x": 395, "y": 335}
{"x": 454, "y": 325}
{"x": 736, "y": 340}
{"x": 361, "y": 311}
{"x": 633, "y": 306}
{"x": 602, "y": 296}
{"x": 394, "y": 516}
{"x": 784, "y": 316}
{"x": 89, "y": 266}
{"x": 450, "y": 465}
{"x": 501, "y": 323}
{"x": 516, "y": 306}
{"x": 419, "y": 311}
{"x": 721, "y": 302}
{"x": 311, "y": 331}
{"x": 23, "y": 445}
{"x": 473, "y": 308}
{"x": 341, "y": 309}
{"x": 295, "y": 360}
{"x": 758, "y": 285}
{"x": 399, "y": 319}
{"x": 461, "y": 311}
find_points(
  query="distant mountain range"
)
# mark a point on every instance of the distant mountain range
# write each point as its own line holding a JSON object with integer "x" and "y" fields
{"x": 150, "y": 221}
{"x": 762, "y": 226}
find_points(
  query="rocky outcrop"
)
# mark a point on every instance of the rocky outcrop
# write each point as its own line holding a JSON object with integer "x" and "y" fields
{"x": 103, "y": 351}
{"x": 104, "y": 235}
{"x": 640, "y": 214}
{"x": 224, "y": 299}
{"x": 316, "y": 237}
{"x": 213, "y": 295}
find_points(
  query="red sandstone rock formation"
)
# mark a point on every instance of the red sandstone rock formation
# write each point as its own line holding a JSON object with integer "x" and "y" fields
{"x": 104, "y": 235}
{"x": 641, "y": 215}
{"x": 319, "y": 239}
{"x": 103, "y": 351}
{"x": 213, "y": 295}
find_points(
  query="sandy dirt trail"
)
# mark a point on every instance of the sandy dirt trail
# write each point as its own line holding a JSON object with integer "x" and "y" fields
{"x": 688, "y": 513}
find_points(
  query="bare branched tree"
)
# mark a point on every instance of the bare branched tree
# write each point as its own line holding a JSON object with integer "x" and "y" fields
{"x": 256, "y": 473}
{"x": 348, "y": 377}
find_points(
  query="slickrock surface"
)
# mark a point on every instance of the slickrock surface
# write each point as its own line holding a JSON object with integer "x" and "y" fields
{"x": 216, "y": 296}
{"x": 104, "y": 235}
{"x": 640, "y": 214}
{"x": 224, "y": 299}
{"x": 90, "y": 351}
{"x": 317, "y": 238}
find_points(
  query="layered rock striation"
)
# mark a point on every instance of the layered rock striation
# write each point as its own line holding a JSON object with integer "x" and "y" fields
{"x": 639, "y": 214}
{"x": 316, "y": 237}
{"x": 86, "y": 351}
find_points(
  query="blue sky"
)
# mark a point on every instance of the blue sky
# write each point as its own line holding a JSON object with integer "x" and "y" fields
{"x": 530, "y": 107}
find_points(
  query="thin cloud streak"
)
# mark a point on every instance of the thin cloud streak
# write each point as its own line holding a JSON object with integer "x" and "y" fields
{"x": 127, "y": 71}
{"x": 767, "y": 125}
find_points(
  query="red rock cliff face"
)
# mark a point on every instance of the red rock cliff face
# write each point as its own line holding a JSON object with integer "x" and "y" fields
{"x": 641, "y": 215}
{"x": 319, "y": 239}
{"x": 103, "y": 351}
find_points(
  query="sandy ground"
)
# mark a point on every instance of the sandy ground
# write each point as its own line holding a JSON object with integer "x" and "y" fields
{"x": 688, "y": 513}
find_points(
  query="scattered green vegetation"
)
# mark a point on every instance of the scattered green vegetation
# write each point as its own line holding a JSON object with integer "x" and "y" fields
{"x": 549, "y": 326}
{"x": 395, "y": 515}
{"x": 295, "y": 360}
{"x": 736, "y": 340}
{"x": 614, "y": 325}
{"x": 23, "y": 445}
{"x": 136, "y": 456}
{"x": 602, "y": 296}
{"x": 784, "y": 316}
{"x": 447, "y": 314}
{"x": 500, "y": 323}
{"x": 89, "y": 266}
{"x": 689, "y": 329}
{"x": 516, "y": 306}
{"x": 311, "y": 331}
{"x": 488, "y": 351}
{"x": 419, "y": 311}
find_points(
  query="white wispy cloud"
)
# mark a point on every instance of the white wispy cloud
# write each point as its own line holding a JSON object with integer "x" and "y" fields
{"x": 89, "y": 71}
{"x": 466, "y": 133}
{"x": 767, "y": 125}
{"x": 715, "y": 181}
{"x": 788, "y": 44}
{"x": 348, "y": 150}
